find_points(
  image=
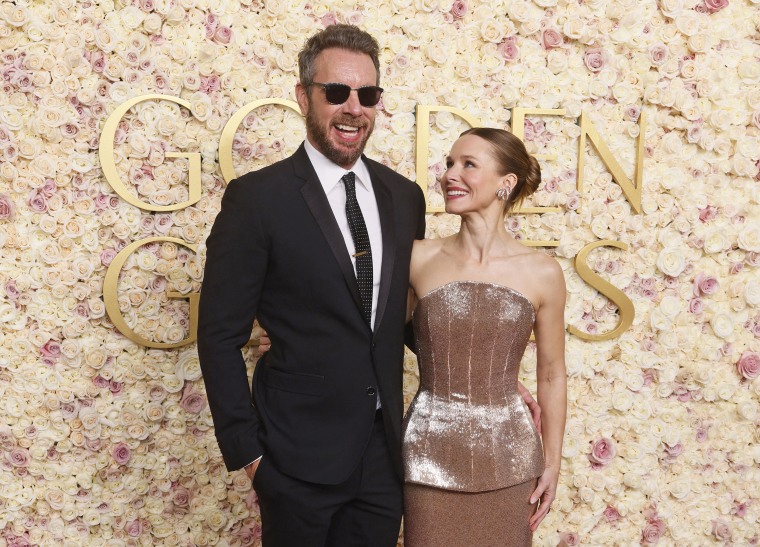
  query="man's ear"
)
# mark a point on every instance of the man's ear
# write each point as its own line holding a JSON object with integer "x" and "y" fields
{"x": 302, "y": 96}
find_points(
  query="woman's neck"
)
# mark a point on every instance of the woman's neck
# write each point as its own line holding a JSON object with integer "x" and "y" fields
{"x": 481, "y": 238}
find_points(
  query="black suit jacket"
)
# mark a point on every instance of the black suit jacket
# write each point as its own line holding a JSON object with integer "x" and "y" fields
{"x": 275, "y": 252}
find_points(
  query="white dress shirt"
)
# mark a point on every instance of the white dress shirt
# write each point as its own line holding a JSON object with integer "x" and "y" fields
{"x": 329, "y": 175}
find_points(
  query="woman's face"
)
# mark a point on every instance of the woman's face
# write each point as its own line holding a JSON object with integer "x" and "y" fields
{"x": 472, "y": 176}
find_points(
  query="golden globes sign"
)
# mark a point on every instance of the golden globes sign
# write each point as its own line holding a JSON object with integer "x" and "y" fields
{"x": 631, "y": 189}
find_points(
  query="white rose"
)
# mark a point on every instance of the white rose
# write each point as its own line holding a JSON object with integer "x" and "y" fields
{"x": 188, "y": 366}
{"x": 716, "y": 240}
{"x": 680, "y": 488}
{"x": 752, "y": 292}
{"x": 622, "y": 401}
{"x": 689, "y": 23}
{"x": 722, "y": 325}
{"x": 748, "y": 411}
{"x": 671, "y": 8}
{"x": 671, "y": 261}
{"x": 670, "y": 306}
{"x": 749, "y": 238}
{"x": 556, "y": 61}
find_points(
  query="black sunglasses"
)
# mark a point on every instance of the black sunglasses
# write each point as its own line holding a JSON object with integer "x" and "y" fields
{"x": 369, "y": 95}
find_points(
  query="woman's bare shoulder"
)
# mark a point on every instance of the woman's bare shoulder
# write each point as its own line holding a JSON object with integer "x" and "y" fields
{"x": 425, "y": 248}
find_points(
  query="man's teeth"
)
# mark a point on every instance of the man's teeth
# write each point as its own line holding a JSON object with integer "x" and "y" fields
{"x": 456, "y": 193}
{"x": 348, "y": 128}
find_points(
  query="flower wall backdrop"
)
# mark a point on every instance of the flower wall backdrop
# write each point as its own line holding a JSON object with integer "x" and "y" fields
{"x": 108, "y": 442}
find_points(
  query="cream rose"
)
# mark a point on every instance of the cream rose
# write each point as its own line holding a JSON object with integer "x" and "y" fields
{"x": 671, "y": 261}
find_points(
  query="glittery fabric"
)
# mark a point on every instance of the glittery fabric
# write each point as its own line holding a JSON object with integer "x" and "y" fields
{"x": 498, "y": 518}
{"x": 468, "y": 429}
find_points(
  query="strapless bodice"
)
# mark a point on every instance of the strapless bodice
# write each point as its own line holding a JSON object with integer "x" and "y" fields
{"x": 468, "y": 428}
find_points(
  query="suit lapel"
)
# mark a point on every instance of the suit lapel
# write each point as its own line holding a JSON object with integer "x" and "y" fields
{"x": 384, "y": 200}
{"x": 316, "y": 200}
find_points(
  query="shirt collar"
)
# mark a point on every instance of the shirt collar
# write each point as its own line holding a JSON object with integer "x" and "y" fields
{"x": 329, "y": 173}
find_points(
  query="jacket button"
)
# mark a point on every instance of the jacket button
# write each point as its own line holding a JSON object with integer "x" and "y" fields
{"x": 374, "y": 345}
{"x": 371, "y": 391}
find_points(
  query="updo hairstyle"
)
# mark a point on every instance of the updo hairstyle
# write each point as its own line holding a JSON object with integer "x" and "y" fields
{"x": 512, "y": 157}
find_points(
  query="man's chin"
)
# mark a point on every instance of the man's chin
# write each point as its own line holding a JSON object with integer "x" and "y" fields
{"x": 344, "y": 155}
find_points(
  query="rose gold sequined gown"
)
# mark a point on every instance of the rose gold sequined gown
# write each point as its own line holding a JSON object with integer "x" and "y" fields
{"x": 471, "y": 452}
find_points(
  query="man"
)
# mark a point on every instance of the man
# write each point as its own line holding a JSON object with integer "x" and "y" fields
{"x": 317, "y": 247}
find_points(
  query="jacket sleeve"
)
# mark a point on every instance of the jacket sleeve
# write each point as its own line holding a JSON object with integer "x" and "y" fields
{"x": 409, "y": 340}
{"x": 236, "y": 264}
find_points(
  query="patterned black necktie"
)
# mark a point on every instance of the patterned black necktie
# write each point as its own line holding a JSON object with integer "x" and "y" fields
{"x": 362, "y": 250}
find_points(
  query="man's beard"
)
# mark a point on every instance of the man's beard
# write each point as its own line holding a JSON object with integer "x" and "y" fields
{"x": 338, "y": 156}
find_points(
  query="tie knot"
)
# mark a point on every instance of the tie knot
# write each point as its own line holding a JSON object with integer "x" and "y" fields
{"x": 349, "y": 179}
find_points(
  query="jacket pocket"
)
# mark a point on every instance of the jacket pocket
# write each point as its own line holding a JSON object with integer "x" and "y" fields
{"x": 305, "y": 384}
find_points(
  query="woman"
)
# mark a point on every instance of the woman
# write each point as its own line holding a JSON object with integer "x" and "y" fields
{"x": 474, "y": 463}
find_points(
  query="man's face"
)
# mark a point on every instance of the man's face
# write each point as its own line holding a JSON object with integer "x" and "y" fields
{"x": 339, "y": 131}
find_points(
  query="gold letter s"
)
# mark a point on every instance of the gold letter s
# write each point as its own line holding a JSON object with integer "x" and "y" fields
{"x": 609, "y": 290}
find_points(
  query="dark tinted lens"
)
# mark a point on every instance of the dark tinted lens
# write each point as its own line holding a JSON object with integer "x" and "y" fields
{"x": 337, "y": 93}
{"x": 369, "y": 95}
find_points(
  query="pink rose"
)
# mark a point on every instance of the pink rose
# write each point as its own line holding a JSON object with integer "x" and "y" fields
{"x": 210, "y": 25}
{"x": 658, "y": 54}
{"x": 99, "y": 381}
{"x": 702, "y": 433}
{"x": 69, "y": 410}
{"x": 708, "y": 213}
{"x": 632, "y": 112}
{"x": 715, "y": 5}
{"x": 568, "y": 539}
{"x": 509, "y": 50}
{"x": 611, "y": 514}
{"x": 11, "y": 290}
{"x": 458, "y": 9}
{"x": 573, "y": 201}
{"x": 223, "y": 35}
{"x": 18, "y": 457}
{"x": 721, "y": 530}
{"x": 705, "y": 284}
{"x": 653, "y": 531}
{"x": 181, "y": 497}
{"x": 674, "y": 451}
{"x": 121, "y": 453}
{"x": 52, "y": 348}
{"x": 107, "y": 256}
{"x": 134, "y": 528}
{"x": 595, "y": 59}
{"x": 249, "y": 536}
{"x": 37, "y": 201}
{"x": 748, "y": 365}
{"x": 551, "y": 38}
{"x": 694, "y": 134}
{"x": 328, "y": 19}
{"x": 696, "y": 306}
{"x": 7, "y": 207}
{"x": 193, "y": 402}
{"x": 602, "y": 451}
